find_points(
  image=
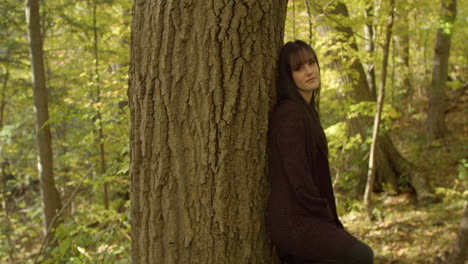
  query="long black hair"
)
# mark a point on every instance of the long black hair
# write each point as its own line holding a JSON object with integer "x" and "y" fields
{"x": 295, "y": 53}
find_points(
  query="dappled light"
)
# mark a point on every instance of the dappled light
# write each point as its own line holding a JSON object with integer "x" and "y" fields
{"x": 137, "y": 131}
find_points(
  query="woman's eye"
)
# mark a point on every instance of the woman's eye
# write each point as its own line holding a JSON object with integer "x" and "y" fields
{"x": 297, "y": 68}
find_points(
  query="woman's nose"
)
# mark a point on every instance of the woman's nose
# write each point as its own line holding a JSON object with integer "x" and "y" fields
{"x": 309, "y": 69}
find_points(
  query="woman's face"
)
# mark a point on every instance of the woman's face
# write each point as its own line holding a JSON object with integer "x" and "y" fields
{"x": 306, "y": 75}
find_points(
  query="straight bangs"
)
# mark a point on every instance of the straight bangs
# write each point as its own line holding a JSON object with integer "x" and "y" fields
{"x": 293, "y": 55}
{"x": 300, "y": 55}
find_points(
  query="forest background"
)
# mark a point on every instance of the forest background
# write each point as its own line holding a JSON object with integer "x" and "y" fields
{"x": 86, "y": 51}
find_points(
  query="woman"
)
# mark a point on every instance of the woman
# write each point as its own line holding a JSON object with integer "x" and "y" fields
{"x": 302, "y": 218}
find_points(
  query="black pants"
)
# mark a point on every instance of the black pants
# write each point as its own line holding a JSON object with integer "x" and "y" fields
{"x": 359, "y": 253}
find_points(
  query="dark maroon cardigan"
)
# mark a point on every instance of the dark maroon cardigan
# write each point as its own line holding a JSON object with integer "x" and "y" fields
{"x": 301, "y": 214}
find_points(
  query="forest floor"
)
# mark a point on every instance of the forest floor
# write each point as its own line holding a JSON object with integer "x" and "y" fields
{"x": 408, "y": 233}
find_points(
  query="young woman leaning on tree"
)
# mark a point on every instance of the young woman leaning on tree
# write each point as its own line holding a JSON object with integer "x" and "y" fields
{"x": 302, "y": 219}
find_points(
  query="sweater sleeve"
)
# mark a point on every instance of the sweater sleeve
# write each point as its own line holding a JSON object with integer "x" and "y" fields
{"x": 290, "y": 144}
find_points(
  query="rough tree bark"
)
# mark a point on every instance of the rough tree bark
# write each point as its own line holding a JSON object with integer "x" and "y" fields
{"x": 371, "y": 173}
{"x": 390, "y": 165}
{"x": 435, "y": 124}
{"x": 51, "y": 203}
{"x": 202, "y": 80}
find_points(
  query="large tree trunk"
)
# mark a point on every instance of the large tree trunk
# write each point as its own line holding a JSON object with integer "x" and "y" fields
{"x": 202, "y": 81}
{"x": 435, "y": 125}
{"x": 50, "y": 196}
{"x": 390, "y": 165}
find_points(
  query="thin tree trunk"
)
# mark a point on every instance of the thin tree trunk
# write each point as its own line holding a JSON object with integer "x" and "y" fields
{"x": 460, "y": 250}
{"x": 370, "y": 47}
{"x": 3, "y": 97}
{"x": 371, "y": 174}
{"x": 97, "y": 79}
{"x": 402, "y": 44}
{"x": 435, "y": 124}
{"x": 294, "y": 19}
{"x": 309, "y": 15}
{"x": 202, "y": 81}
{"x": 354, "y": 87}
{"x": 420, "y": 87}
{"x": 392, "y": 75}
{"x": 50, "y": 196}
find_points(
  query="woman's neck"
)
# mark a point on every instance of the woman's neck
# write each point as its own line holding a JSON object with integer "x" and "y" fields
{"x": 306, "y": 95}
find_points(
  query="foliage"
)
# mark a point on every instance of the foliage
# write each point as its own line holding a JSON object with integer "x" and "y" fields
{"x": 417, "y": 19}
{"x": 404, "y": 233}
{"x": 452, "y": 194}
{"x": 462, "y": 169}
{"x": 71, "y": 81}
{"x": 90, "y": 238}
{"x": 407, "y": 234}
{"x": 91, "y": 234}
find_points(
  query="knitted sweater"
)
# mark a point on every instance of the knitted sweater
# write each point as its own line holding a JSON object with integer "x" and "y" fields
{"x": 301, "y": 213}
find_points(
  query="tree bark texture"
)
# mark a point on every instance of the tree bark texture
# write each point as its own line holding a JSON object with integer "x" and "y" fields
{"x": 390, "y": 165}
{"x": 202, "y": 80}
{"x": 50, "y": 196}
{"x": 435, "y": 125}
